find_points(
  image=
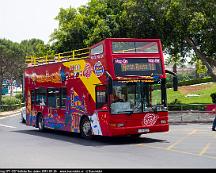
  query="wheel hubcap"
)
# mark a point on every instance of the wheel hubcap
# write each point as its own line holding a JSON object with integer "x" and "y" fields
{"x": 41, "y": 123}
{"x": 86, "y": 128}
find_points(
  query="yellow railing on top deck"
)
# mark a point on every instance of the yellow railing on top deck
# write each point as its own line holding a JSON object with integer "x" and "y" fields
{"x": 60, "y": 57}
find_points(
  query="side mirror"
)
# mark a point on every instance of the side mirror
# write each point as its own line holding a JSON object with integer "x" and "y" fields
{"x": 175, "y": 83}
{"x": 110, "y": 86}
{"x": 109, "y": 82}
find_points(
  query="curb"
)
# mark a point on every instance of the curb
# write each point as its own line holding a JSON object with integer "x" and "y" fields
{"x": 3, "y": 114}
{"x": 186, "y": 122}
{"x": 174, "y": 121}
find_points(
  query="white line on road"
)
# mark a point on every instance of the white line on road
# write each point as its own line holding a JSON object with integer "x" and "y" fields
{"x": 9, "y": 116}
{"x": 12, "y": 127}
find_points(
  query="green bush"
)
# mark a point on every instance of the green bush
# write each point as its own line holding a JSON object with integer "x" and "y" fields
{"x": 186, "y": 107}
{"x": 19, "y": 96}
{"x": 176, "y": 101}
{"x": 10, "y": 103}
{"x": 213, "y": 96}
{"x": 191, "y": 82}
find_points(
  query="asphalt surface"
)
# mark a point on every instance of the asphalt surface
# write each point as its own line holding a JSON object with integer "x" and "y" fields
{"x": 186, "y": 145}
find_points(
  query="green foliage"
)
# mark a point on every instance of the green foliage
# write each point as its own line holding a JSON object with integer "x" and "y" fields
{"x": 181, "y": 25}
{"x": 35, "y": 47}
{"x": 190, "y": 82}
{"x": 213, "y": 96}
{"x": 19, "y": 96}
{"x": 10, "y": 100}
{"x": 200, "y": 68}
{"x": 176, "y": 101}
{"x": 87, "y": 25}
{"x": 10, "y": 103}
{"x": 11, "y": 62}
{"x": 195, "y": 81}
{"x": 184, "y": 107}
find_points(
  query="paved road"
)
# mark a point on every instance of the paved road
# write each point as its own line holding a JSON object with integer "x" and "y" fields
{"x": 184, "y": 146}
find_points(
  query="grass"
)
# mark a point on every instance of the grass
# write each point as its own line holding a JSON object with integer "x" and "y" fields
{"x": 203, "y": 91}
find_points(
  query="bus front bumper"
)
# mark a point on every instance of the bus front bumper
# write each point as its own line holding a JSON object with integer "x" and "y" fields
{"x": 125, "y": 131}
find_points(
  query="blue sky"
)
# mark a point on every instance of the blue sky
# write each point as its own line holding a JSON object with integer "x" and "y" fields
{"x": 26, "y": 19}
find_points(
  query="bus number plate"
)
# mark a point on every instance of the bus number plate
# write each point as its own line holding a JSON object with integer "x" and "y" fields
{"x": 143, "y": 130}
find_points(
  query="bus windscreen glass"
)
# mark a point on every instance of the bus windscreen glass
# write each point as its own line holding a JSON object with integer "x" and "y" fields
{"x": 135, "y": 47}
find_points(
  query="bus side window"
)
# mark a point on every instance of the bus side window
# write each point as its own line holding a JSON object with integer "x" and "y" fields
{"x": 40, "y": 96}
{"x": 32, "y": 97}
{"x": 63, "y": 97}
{"x": 53, "y": 97}
{"x": 101, "y": 96}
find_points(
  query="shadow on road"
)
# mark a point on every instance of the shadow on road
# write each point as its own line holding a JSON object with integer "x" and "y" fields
{"x": 96, "y": 141}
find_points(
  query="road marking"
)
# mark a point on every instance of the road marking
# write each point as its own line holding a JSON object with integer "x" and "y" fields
{"x": 12, "y": 127}
{"x": 181, "y": 152}
{"x": 184, "y": 152}
{"x": 180, "y": 140}
{"x": 203, "y": 151}
{"x": 9, "y": 116}
{"x": 214, "y": 135}
{"x": 140, "y": 145}
{"x": 193, "y": 132}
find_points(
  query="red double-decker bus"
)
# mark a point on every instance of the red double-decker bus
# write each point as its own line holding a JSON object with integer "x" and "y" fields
{"x": 117, "y": 87}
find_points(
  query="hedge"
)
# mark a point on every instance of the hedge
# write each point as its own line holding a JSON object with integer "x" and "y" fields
{"x": 191, "y": 82}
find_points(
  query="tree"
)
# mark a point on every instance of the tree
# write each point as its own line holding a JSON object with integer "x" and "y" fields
{"x": 181, "y": 24}
{"x": 87, "y": 25}
{"x": 11, "y": 62}
{"x": 194, "y": 24}
{"x": 35, "y": 47}
{"x": 71, "y": 31}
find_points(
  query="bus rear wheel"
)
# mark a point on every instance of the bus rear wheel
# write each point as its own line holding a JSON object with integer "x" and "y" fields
{"x": 85, "y": 128}
{"x": 41, "y": 123}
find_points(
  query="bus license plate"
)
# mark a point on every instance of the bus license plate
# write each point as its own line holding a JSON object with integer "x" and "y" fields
{"x": 143, "y": 130}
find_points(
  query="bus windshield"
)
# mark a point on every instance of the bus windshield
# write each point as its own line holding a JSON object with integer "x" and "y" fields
{"x": 135, "y": 47}
{"x": 138, "y": 97}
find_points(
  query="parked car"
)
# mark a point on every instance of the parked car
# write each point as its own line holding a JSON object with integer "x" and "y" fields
{"x": 23, "y": 114}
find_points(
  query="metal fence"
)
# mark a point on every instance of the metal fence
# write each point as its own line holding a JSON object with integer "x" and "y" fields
{"x": 194, "y": 117}
{"x": 190, "y": 113}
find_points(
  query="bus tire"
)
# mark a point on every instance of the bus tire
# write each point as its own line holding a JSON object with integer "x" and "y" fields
{"x": 85, "y": 128}
{"x": 41, "y": 123}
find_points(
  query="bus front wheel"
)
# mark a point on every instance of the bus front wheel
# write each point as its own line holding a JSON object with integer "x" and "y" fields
{"x": 85, "y": 128}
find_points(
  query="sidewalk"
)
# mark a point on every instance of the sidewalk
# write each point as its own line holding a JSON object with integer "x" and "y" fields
{"x": 174, "y": 117}
{"x": 190, "y": 117}
{"x": 7, "y": 113}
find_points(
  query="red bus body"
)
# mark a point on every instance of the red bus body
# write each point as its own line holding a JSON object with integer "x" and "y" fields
{"x": 65, "y": 92}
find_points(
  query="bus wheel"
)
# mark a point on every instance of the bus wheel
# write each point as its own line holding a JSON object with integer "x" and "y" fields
{"x": 41, "y": 123}
{"x": 85, "y": 128}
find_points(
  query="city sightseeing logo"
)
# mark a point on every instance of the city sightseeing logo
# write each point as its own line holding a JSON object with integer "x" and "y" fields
{"x": 150, "y": 119}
